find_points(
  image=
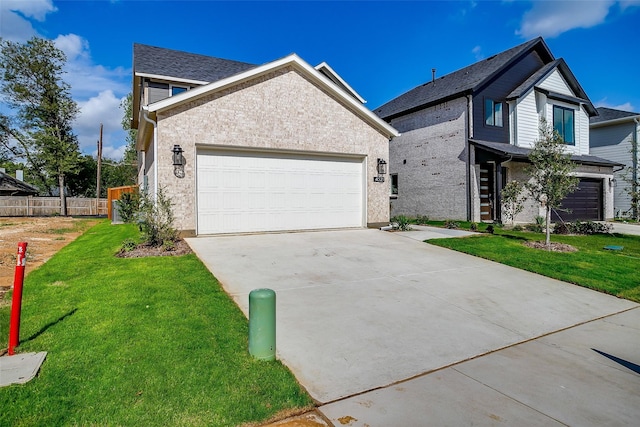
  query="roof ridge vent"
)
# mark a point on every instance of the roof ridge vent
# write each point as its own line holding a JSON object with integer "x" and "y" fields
{"x": 491, "y": 57}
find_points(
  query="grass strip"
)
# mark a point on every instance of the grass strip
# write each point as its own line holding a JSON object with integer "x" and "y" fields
{"x": 592, "y": 266}
{"x": 131, "y": 342}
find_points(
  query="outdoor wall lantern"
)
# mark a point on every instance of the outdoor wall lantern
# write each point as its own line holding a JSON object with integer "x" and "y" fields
{"x": 178, "y": 161}
{"x": 382, "y": 170}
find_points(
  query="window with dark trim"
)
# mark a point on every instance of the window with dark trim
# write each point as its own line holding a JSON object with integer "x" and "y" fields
{"x": 563, "y": 123}
{"x": 178, "y": 89}
{"x": 492, "y": 112}
{"x": 394, "y": 183}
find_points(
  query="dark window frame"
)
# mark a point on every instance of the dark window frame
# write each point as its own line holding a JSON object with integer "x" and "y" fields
{"x": 393, "y": 182}
{"x": 493, "y": 115}
{"x": 562, "y": 128}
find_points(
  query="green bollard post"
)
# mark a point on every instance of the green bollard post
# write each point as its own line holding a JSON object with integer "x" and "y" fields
{"x": 262, "y": 324}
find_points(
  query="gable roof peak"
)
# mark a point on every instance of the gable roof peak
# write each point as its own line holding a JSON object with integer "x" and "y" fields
{"x": 462, "y": 81}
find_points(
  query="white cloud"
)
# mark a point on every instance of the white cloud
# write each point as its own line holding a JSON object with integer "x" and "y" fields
{"x": 15, "y": 15}
{"x": 627, "y": 106}
{"x": 97, "y": 89}
{"x": 552, "y": 18}
{"x": 103, "y": 108}
{"x": 477, "y": 52}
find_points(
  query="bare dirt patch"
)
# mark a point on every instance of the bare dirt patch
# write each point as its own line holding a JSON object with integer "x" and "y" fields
{"x": 555, "y": 247}
{"x": 44, "y": 236}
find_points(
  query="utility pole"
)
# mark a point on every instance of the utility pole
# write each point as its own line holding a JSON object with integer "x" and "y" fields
{"x": 99, "y": 170}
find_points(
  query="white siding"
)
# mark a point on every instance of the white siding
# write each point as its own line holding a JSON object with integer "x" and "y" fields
{"x": 535, "y": 105}
{"x": 555, "y": 83}
{"x": 618, "y": 151}
{"x": 527, "y": 121}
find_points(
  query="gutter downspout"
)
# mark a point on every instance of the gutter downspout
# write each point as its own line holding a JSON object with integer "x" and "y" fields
{"x": 634, "y": 161}
{"x": 468, "y": 145}
{"x": 145, "y": 116}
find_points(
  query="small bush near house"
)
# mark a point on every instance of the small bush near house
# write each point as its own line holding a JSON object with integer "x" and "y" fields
{"x": 587, "y": 228}
{"x": 473, "y": 226}
{"x": 128, "y": 245}
{"x": 422, "y": 219}
{"x": 451, "y": 224}
{"x": 490, "y": 229}
{"x": 517, "y": 227}
{"x": 156, "y": 219}
{"x": 538, "y": 226}
{"x": 401, "y": 223}
{"x": 128, "y": 205}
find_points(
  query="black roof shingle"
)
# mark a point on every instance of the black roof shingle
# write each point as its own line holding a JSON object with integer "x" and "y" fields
{"x": 456, "y": 83}
{"x": 607, "y": 114}
{"x": 183, "y": 65}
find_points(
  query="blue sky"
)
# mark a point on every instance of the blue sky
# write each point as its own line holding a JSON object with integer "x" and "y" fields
{"x": 382, "y": 49}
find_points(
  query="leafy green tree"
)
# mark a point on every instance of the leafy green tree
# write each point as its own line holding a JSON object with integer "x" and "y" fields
{"x": 551, "y": 173}
{"x": 130, "y": 158}
{"x": 631, "y": 177}
{"x": 512, "y": 200}
{"x": 39, "y": 130}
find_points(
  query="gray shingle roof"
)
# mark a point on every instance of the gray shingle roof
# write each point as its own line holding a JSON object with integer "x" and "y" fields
{"x": 12, "y": 186}
{"x": 607, "y": 114}
{"x": 456, "y": 83}
{"x": 184, "y": 65}
{"x": 523, "y": 153}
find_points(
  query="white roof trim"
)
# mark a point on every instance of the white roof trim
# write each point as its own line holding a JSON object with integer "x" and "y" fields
{"x": 615, "y": 121}
{"x": 170, "y": 79}
{"x": 291, "y": 60}
{"x": 346, "y": 86}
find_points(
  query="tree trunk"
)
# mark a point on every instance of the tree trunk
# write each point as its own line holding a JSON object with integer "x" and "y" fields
{"x": 63, "y": 197}
{"x": 548, "y": 238}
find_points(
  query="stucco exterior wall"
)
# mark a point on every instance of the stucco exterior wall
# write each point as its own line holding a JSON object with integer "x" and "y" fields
{"x": 279, "y": 111}
{"x": 430, "y": 158}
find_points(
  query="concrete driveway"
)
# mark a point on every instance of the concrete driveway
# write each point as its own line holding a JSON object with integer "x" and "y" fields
{"x": 382, "y": 329}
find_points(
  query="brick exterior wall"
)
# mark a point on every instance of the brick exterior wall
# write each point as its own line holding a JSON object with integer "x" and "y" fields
{"x": 279, "y": 111}
{"x": 516, "y": 171}
{"x": 430, "y": 158}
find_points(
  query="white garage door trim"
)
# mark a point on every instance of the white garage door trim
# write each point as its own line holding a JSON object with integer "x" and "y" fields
{"x": 260, "y": 191}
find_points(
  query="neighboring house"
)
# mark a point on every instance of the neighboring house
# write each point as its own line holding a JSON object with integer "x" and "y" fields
{"x": 466, "y": 134}
{"x": 10, "y": 186}
{"x": 614, "y": 135}
{"x": 279, "y": 146}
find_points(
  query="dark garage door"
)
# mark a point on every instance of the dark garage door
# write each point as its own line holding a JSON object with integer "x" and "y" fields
{"x": 583, "y": 204}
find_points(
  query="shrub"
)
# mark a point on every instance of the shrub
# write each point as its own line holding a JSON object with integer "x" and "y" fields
{"x": 490, "y": 229}
{"x": 538, "y": 227}
{"x": 128, "y": 245}
{"x": 401, "y": 223}
{"x": 473, "y": 226}
{"x": 579, "y": 227}
{"x": 156, "y": 219}
{"x": 517, "y": 227}
{"x": 449, "y": 223}
{"x": 422, "y": 219}
{"x": 128, "y": 206}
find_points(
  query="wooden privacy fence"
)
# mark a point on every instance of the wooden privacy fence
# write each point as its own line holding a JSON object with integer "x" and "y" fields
{"x": 114, "y": 194}
{"x": 47, "y": 206}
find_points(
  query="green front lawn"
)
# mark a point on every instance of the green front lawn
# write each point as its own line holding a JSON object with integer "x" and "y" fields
{"x": 616, "y": 273}
{"x": 137, "y": 342}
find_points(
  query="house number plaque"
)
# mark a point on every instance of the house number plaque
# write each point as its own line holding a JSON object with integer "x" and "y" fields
{"x": 378, "y": 179}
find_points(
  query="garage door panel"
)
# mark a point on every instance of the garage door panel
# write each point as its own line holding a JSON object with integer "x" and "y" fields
{"x": 252, "y": 192}
{"x": 585, "y": 203}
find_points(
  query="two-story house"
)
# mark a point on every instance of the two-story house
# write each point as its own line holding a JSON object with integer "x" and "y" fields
{"x": 240, "y": 147}
{"x": 614, "y": 135}
{"x": 466, "y": 134}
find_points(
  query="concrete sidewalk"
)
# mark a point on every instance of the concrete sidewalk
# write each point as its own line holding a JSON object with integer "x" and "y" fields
{"x": 622, "y": 228}
{"x": 365, "y": 314}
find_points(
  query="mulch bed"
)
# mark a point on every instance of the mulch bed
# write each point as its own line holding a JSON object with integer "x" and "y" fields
{"x": 555, "y": 247}
{"x": 180, "y": 248}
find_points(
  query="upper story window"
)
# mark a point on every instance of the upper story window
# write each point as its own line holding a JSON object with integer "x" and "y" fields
{"x": 174, "y": 90}
{"x": 563, "y": 123}
{"x": 492, "y": 112}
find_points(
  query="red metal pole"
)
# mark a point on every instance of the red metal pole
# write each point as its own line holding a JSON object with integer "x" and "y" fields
{"x": 16, "y": 300}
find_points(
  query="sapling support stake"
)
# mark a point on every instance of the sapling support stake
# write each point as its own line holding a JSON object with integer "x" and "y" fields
{"x": 16, "y": 300}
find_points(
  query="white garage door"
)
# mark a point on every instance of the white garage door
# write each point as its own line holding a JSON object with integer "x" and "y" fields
{"x": 242, "y": 192}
